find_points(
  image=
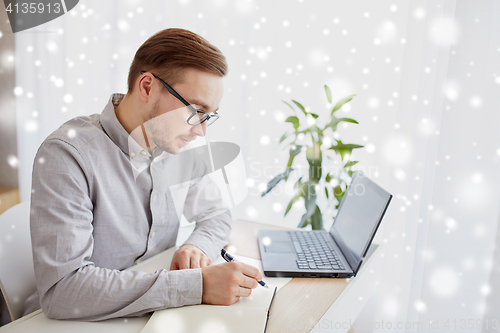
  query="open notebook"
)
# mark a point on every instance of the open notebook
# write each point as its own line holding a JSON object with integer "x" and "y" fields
{"x": 249, "y": 314}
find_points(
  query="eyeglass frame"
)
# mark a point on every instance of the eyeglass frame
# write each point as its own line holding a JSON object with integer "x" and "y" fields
{"x": 193, "y": 110}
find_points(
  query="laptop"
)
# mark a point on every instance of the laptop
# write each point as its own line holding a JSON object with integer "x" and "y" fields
{"x": 337, "y": 253}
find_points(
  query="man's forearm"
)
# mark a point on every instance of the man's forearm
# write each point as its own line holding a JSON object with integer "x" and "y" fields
{"x": 93, "y": 293}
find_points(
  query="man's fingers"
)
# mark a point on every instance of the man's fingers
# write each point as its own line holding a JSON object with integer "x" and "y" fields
{"x": 249, "y": 282}
{"x": 188, "y": 258}
{"x": 195, "y": 261}
{"x": 205, "y": 261}
{"x": 244, "y": 292}
{"x": 251, "y": 271}
{"x": 182, "y": 261}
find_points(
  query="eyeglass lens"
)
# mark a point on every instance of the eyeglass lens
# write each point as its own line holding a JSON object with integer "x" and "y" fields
{"x": 200, "y": 117}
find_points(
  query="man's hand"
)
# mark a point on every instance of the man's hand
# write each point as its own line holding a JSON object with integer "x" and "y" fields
{"x": 224, "y": 284}
{"x": 189, "y": 256}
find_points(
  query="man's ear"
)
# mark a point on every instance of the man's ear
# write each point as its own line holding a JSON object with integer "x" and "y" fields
{"x": 145, "y": 86}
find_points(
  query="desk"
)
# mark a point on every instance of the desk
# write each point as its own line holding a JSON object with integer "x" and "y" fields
{"x": 297, "y": 307}
{"x": 9, "y": 197}
{"x": 311, "y": 304}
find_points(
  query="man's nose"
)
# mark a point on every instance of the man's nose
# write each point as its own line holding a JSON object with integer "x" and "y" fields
{"x": 200, "y": 129}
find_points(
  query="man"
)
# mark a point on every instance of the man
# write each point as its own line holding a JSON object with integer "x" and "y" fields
{"x": 99, "y": 201}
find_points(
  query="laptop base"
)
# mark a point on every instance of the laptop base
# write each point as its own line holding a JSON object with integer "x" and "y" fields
{"x": 309, "y": 274}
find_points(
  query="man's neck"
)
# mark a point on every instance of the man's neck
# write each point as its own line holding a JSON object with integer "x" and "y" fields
{"x": 129, "y": 115}
{"x": 126, "y": 116}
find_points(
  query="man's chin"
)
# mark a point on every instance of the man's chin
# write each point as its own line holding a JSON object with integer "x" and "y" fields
{"x": 174, "y": 147}
{"x": 174, "y": 151}
{"x": 171, "y": 150}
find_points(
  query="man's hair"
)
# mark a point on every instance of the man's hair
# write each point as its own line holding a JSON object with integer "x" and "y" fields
{"x": 169, "y": 52}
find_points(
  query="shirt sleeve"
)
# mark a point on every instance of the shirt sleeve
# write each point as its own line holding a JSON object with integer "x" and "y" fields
{"x": 204, "y": 204}
{"x": 69, "y": 285}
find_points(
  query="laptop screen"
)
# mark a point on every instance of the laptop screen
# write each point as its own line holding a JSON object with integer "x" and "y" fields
{"x": 359, "y": 216}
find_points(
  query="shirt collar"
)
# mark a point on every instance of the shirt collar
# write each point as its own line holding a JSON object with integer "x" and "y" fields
{"x": 112, "y": 126}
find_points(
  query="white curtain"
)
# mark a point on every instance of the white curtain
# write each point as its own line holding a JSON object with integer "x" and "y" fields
{"x": 441, "y": 231}
{"x": 426, "y": 75}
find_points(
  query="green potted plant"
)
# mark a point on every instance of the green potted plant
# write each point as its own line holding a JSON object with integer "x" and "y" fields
{"x": 318, "y": 153}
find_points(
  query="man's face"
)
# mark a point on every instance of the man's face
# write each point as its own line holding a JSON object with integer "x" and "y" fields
{"x": 166, "y": 122}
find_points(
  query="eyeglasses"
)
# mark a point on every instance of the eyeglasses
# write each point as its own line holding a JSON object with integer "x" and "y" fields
{"x": 197, "y": 116}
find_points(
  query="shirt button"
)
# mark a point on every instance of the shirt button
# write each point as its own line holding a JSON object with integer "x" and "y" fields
{"x": 153, "y": 234}
{"x": 132, "y": 153}
{"x": 154, "y": 197}
{"x": 144, "y": 152}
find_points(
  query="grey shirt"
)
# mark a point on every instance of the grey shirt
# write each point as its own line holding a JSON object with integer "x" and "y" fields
{"x": 100, "y": 204}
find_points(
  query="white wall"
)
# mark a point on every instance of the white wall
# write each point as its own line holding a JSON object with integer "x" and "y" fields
{"x": 426, "y": 73}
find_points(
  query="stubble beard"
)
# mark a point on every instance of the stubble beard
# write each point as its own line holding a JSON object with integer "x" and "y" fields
{"x": 157, "y": 133}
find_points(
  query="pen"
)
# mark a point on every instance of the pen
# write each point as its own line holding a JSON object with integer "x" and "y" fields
{"x": 227, "y": 257}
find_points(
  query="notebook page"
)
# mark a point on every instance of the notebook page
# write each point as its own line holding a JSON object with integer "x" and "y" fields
{"x": 207, "y": 319}
{"x": 246, "y": 315}
{"x": 211, "y": 318}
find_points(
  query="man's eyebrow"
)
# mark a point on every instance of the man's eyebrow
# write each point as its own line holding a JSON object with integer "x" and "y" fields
{"x": 200, "y": 103}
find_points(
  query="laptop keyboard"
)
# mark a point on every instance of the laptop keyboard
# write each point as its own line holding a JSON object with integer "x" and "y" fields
{"x": 314, "y": 252}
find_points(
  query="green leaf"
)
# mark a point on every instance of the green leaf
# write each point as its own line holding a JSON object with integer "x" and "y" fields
{"x": 300, "y": 107}
{"x": 339, "y": 194}
{"x": 344, "y": 149}
{"x": 294, "y": 120}
{"x": 312, "y": 129}
{"x": 304, "y": 220}
{"x": 328, "y": 177}
{"x": 333, "y": 124}
{"x": 350, "y": 164}
{"x": 294, "y": 151}
{"x": 314, "y": 115}
{"x": 335, "y": 121}
{"x": 273, "y": 182}
{"x": 291, "y": 107}
{"x": 326, "y": 192}
{"x": 298, "y": 183}
{"x": 317, "y": 220}
{"x": 300, "y": 194}
{"x": 284, "y": 137}
{"x": 342, "y": 101}
{"x": 348, "y": 120}
{"x": 290, "y": 204}
{"x": 346, "y": 146}
{"x": 328, "y": 94}
{"x": 310, "y": 203}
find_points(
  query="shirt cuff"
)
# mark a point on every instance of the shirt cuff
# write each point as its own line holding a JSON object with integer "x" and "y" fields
{"x": 184, "y": 287}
